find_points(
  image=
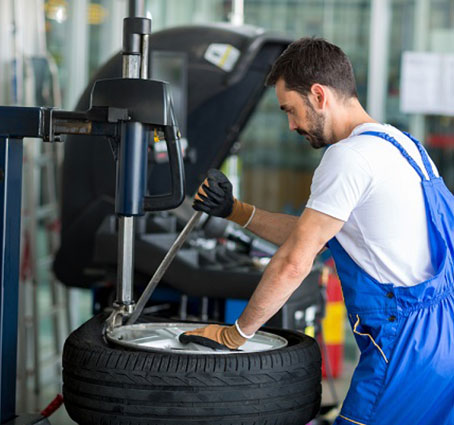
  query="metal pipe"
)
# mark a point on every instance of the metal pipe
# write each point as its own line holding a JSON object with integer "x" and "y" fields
{"x": 237, "y": 15}
{"x": 10, "y": 200}
{"x": 421, "y": 31}
{"x": 163, "y": 267}
{"x": 125, "y": 270}
{"x": 144, "y": 55}
{"x": 380, "y": 19}
{"x": 130, "y": 131}
{"x": 136, "y": 8}
{"x": 75, "y": 56}
{"x": 131, "y": 66}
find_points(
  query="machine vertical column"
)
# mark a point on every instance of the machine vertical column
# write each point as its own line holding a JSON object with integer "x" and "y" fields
{"x": 132, "y": 160}
{"x": 131, "y": 183}
{"x": 10, "y": 213}
{"x": 136, "y": 8}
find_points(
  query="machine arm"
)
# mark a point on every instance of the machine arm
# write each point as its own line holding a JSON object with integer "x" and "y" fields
{"x": 50, "y": 124}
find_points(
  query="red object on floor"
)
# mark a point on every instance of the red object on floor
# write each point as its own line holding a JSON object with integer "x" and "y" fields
{"x": 334, "y": 321}
{"x": 53, "y": 406}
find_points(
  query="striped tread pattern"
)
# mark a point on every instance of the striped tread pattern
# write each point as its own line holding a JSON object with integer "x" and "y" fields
{"x": 109, "y": 385}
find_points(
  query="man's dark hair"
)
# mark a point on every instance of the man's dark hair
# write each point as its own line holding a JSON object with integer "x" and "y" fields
{"x": 313, "y": 60}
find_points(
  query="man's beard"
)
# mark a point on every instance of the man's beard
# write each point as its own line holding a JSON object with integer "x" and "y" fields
{"x": 315, "y": 135}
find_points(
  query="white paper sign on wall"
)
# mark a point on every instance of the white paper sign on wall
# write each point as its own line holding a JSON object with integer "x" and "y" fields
{"x": 427, "y": 83}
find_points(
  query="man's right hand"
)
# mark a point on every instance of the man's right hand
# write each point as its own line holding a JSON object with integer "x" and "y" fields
{"x": 215, "y": 197}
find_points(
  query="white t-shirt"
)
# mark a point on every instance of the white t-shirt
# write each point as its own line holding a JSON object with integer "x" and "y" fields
{"x": 366, "y": 182}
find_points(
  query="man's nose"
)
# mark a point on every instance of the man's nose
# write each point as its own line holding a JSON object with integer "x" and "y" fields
{"x": 292, "y": 125}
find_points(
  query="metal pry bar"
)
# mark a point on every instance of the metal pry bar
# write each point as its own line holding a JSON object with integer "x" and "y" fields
{"x": 163, "y": 267}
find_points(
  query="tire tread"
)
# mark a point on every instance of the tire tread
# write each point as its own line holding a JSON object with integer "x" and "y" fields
{"x": 250, "y": 389}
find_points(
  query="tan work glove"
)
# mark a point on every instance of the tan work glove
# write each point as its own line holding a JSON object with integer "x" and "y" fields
{"x": 215, "y": 197}
{"x": 225, "y": 335}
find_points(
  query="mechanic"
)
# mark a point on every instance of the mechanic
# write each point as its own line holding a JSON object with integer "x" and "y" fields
{"x": 379, "y": 205}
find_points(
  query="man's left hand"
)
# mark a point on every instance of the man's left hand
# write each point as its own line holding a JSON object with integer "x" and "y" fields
{"x": 225, "y": 335}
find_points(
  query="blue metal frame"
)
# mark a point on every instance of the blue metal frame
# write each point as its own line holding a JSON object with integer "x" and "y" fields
{"x": 10, "y": 216}
{"x": 24, "y": 121}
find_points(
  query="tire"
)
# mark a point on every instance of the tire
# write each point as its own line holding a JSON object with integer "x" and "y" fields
{"x": 109, "y": 385}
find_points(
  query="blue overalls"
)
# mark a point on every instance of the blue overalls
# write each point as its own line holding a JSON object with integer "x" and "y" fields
{"x": 405, "y": 375}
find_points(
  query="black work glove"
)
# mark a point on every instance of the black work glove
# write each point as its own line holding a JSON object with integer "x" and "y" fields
{"x": 214, "y": 196}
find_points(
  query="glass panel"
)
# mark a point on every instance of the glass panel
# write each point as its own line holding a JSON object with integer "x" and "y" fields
{"x": 170, "y": 13}
{"x": 277, "y": 165}
{"x": 439, "y": 130}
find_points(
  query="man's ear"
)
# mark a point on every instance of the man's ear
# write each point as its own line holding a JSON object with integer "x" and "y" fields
{"x": 319, "y": 96}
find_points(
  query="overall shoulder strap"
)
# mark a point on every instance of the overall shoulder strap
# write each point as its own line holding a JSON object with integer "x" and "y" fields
{"x": 404, "y": 153}
{"x": 424, "y": 156}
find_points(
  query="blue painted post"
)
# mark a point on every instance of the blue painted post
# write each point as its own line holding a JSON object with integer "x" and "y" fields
{"x": 233, "y": 309}
{"x": 10, "y": 213}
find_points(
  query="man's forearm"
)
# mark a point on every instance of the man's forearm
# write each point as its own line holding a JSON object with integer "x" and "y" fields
{"x": 276, "y": 286}
{"x": 288, "y": 268}
{"x": 273, "y": 227}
